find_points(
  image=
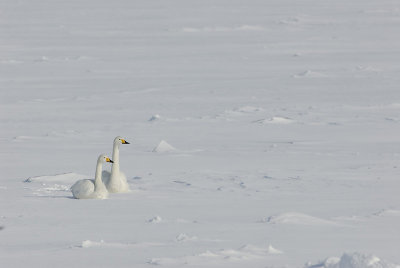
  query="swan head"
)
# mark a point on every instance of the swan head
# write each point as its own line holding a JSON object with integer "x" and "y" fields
{"x": 103, "y": 158}
{"x": 119, "y": 140}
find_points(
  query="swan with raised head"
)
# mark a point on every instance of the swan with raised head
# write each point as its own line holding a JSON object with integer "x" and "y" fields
{"x": 92, "y": 189}
{"x": 116, "y": 180}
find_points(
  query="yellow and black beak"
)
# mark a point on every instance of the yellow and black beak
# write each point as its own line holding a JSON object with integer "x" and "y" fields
{"x": 124, "y": 141}
{"x": 109, "y": 160}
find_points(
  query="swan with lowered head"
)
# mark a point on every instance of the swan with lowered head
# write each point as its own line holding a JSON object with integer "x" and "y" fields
{"x": 116, "y": 180}
{"x": 92, "y": 189}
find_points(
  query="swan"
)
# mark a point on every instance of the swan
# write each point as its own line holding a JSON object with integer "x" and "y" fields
{"x": 88, "y": 189}
{"x": 116, "y": 180}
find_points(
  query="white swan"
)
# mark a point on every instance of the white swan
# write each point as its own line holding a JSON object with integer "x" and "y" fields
{"x": 86, "y": 189}
{"x": 116, "y": 180}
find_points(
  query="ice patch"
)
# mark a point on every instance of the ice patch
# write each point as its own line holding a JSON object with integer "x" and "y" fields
{"x": 297, "y": 218}
{"x": 354, "y": 260}
{"x": 163, "y": 147}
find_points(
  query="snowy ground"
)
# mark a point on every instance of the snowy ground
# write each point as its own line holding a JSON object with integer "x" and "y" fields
{"x": 283, "y": 119}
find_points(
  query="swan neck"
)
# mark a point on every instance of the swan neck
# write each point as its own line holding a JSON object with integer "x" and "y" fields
{"x": 97, "y": 178}
{"x": 115, "y": 158}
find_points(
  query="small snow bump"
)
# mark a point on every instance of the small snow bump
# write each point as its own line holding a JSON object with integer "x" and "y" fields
{"x": 248, "y": 109}
{"x": 184, "y": 238}
{"x": 182, "y": 182}
{"x": 208, "y": 254}
{"x": 163, "y": 147}
{"x": 223, "y": 29}
{"x": 296, "y": 219}
{"x": 309, "y": 74}
{"x": 353, "y": 260}
{"x": 250, "y": 28}
{"x": 89, "y": 244}
{"x": 154, "y": 262}
{"x": 272, "y": 250}
{"x": 155, "y": 219}
{"x": 275, "y": 120}
{"x": 154, "y": 118}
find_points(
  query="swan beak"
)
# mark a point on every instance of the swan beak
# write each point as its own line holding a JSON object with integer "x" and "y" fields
{"x": 125, "y": 142}
{"x": 109, "y": 160}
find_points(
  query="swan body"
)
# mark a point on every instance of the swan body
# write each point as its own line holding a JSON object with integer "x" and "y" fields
{"x": 115, "y": 180}
{"x": 92, "y": 189}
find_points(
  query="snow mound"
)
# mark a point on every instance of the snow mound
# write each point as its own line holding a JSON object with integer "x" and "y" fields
{"x": 163, "y": 147}
{"x": 248, "y": 109}
{"x": 103, "y": 244}
{"x": 386, "y": 212}
{"x": 67, "y": 178}
{"x": 243, "y": 110}
{"x": 354, "y": 260}
{"x": 275, "y": 120}
{"x": 244, "y": 253}
{"x": 23, "y": 138}
{"x": 156, "y": 219}
{"x": 90, "y": 244}
{"x": 223, "y": 29}
{"x": 261, "y": 251}
{"x": 310, "y": 74}
{"x": 296, "y": 218}
{"x": 154, "y": 118}
{"x": 184, "y": 238}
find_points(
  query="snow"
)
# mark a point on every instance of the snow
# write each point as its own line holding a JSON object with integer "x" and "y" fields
{"x": 263, "y": 133}
{"x": 354, "y": 260}
{"x": 155, "y": 219}
{"x": 164, "y": 147}
{"x": 296, "y": 218}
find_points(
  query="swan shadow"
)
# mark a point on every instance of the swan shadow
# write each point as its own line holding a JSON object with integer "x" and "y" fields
{"x": 53, "y": 197}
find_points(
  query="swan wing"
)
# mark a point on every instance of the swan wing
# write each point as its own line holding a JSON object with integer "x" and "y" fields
{"x": 123, "y": 186}
{"x": 83, "y": 189}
